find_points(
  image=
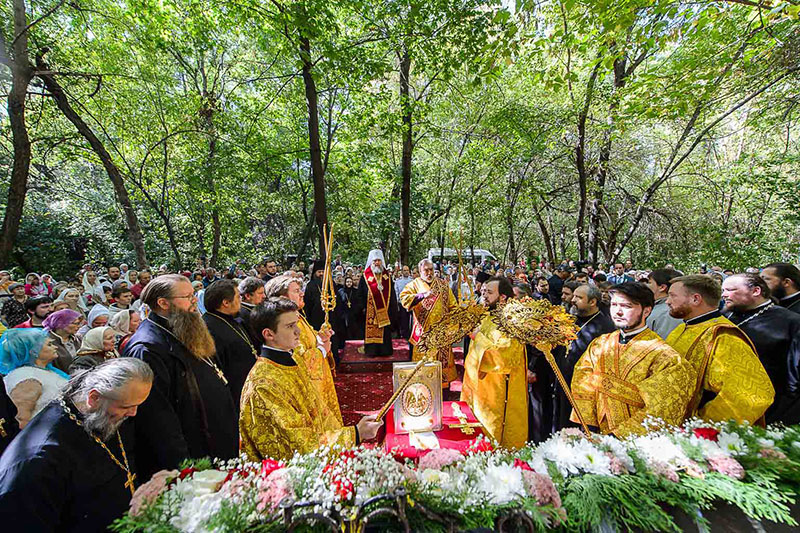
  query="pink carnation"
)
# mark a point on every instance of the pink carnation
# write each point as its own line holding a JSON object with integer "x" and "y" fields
{"x": 147, "y": 493}
{"x": 771, "y": 453}
{"x": 664, "y": 470}
{"x": 438, "y": 459}
{"x": 542, "y": 488}
{"x": 571, "y": 432}
{"x": 616, "y": 466}
{"x": 273, "y": 490}
{"x": 727, "y": 466}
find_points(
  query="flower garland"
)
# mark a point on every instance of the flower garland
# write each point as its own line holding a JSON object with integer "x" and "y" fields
{"x": 567, "y": 481}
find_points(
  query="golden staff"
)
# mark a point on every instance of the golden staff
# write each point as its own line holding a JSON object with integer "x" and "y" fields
{"x": 327, "y": 295}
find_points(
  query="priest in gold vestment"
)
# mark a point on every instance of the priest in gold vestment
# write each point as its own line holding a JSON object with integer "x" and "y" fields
{"x": 430, "y": 299}
{"x": 281, "y": 411}
{"x": 631, "y": 374}
{"x": 375, "y": 306}
{"x": 495, "y": 384}
{"x": 731, "y": 383}
{"x": 314, "y": 350}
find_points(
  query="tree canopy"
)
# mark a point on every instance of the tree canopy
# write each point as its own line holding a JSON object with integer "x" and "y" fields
{"x": 160, "y": 131}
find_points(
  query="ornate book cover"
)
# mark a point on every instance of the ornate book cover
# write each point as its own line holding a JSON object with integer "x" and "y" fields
{"x": 419, "y": 407}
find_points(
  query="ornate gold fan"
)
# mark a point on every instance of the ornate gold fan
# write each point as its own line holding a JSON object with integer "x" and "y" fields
{"x": 453, "y": 327}
{"x": 535, "y": 322}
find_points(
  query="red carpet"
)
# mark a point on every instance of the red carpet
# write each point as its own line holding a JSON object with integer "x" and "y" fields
{"x": 364, "y": 383}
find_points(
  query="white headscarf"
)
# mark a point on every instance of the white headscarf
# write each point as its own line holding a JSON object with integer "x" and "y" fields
{"x": 96, "y": 290}
{"x": 121, "y": 322}
{"x": 81, "y": 304}
{"x": 93, "y": 341}
{"x": 373, "y": 255}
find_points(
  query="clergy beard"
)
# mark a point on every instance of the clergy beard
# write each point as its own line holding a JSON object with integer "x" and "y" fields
{"x": 680, "y": 312}
{"x": 99, "y": 422}
{"x": 191, "y": 331}
{"x": 376, "y": 270}
{"x": 779, "y": 292}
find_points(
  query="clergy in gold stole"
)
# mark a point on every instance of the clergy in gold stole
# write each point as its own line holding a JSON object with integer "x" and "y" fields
{"x": 495, "y": 384}
{"x": 281, "y": 411}
{"x": 376, "y": 303}
{"x": 731, "y": 382}
{"x": 311, "y": 352}
{"x": 430, "y": 299}
{"x": 626, "y": 376}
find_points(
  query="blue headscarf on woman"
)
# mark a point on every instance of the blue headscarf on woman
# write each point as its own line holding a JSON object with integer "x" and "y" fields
{"x": 21, "y": 347}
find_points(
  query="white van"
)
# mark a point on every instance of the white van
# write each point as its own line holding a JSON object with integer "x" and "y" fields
{"x": 466, "y": 255}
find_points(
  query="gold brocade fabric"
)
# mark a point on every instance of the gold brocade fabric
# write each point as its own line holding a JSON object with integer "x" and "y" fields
{"x": 616, "y": 385}
{"x": 727, "y": 365}
{"x": 377, "y": 316}
{"x": 427, "y": 314}
{"x": 310, "y": 356}
{"x": 280, "y": 414}
{"x": 495, "y": 385}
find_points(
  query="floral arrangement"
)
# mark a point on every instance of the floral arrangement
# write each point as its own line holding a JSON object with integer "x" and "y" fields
{"x": 568, "y": 481}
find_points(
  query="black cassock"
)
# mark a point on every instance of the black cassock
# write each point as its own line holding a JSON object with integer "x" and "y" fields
{"x": 235, "y": 353}
{"x": 8, "y": 418}
{"x": 360, "y": 315}
{"x": 549, "y": 407}
{"x": 776, "y": 336}
{"x": 55, "y": 477}
{"x": 312, "y": 305}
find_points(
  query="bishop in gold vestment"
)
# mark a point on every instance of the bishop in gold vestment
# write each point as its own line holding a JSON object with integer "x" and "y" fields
{"x": 311, "y": 355}
{"x": 495, "y": 384}
{"x": 281, "y": 412}
{"x": 727, "y": 367}
{"x": 430, "y": 300}
{"x": 616, "y": 385}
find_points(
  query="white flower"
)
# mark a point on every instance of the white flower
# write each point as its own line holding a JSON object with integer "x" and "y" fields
{"x": 766, "y": 443}
{"x": 732, "y": 443}
{"x": 434, "y": 477}
{"x": 708, "y": 447}
{"x": 657, "y": 448}
{"x": 195, "y": 512}
{"x": 502, "y": 483}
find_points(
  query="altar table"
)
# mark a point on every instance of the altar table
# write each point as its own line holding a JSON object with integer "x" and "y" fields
{"x": 448, "y": 437}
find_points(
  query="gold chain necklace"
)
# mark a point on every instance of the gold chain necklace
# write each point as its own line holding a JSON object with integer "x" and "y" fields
{"x": 208, "y": 361}
{"x": 236, "y": 330}
{"x": 126, "y": 468}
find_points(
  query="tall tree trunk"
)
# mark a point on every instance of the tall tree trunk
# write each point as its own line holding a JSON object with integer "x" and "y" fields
{"x": 580, "y": 162}
{"x": 315, "y": 151}
{"x": 405, "y": 191}
{"x": 21, "y": 74}
{"x": 131, "y": 220}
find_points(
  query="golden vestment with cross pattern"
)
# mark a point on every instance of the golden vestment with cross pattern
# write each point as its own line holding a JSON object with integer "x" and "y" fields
{"x": 495, "y": 384}
{"x": 727, "y": 366}
{"x": 280, "y": 414}
{"x": 310, "y": 356}
{"x": 616, "y": 386}
{"x": 428, "y": 313}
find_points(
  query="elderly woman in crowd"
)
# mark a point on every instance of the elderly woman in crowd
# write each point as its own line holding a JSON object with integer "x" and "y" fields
{"x": 34, "y": 285}
{"x": 97, "y": 347}
{"x": 73, "y": 299}
{"x": 92, "y": 289}
{"x": 99, "y": 316}
{"x": 31, "y": 380}
{"x": 62, "y": 327}
{"x": 125, "y": 323}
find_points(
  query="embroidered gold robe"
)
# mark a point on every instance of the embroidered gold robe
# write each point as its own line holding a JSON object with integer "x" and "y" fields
{"x": 316, "y": 365}
{"x": 427, "y": 313}
{"x": 280, "y": 414}
{"x": 495, "y": 384}
{"x": 615, "y": 385}
{"x": 727, "y": 366}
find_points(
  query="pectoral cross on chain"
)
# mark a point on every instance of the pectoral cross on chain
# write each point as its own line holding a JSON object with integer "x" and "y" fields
{"x": 2, "y": 428}
{"x": 129, "y": 483}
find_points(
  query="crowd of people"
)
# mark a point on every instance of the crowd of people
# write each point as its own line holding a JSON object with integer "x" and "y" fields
{"x": 217, "y": 364}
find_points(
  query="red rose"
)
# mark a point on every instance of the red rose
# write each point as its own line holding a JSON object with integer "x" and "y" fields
{"x": 706, "y": 433}
{"x": 186, "y": 472}
{"x": 522, "y": 465}
{"x": 268, "y": 466}
{"x": 478, "y": 446}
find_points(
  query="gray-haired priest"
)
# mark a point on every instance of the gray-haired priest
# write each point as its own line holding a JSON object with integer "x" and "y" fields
{"x": 70, "y": 469}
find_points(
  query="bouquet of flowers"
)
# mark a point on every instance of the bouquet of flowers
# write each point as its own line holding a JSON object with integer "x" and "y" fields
{"x": 567, "y": 481}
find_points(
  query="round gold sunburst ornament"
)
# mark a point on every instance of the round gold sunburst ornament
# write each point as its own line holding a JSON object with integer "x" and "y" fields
{"x": 535, "y": 322}
{"x": 453, "y": 327}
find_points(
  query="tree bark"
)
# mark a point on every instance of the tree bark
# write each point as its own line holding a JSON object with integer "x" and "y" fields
{"x": 21, "y": 74}
{"x": 580, "y": 162}
{"x": 405, "y": 190}
{"x": 314, "y": 145}
{"x": 131, "y": 220}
